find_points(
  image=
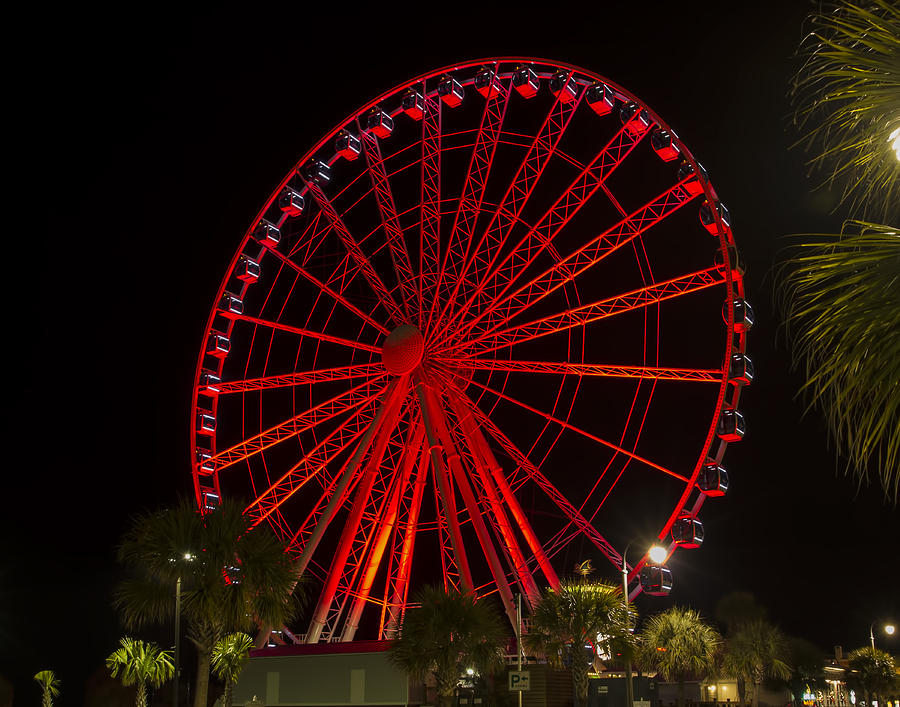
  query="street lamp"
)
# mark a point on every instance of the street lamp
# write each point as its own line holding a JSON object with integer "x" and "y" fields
{"x": 887, "y": 628}
{"x": 188, "y": 557}
{"x": 658, "y": 555}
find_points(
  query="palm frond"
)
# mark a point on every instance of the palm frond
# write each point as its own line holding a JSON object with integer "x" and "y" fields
{"x": 840, "y": 298}
{"x": 846, "y": 99}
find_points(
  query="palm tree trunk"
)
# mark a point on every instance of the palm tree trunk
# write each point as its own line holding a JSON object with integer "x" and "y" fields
{"x": 229, "y": 687}
{"x": 202, "y": 685}
{"x": 141, "y": 699}
{"x": 580, "y": 678}
{"x": 755, "y": 693}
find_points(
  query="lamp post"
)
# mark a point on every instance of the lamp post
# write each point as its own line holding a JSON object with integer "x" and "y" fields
{"x": 188, "y": 557}
{"x": 658, "y": 555}
{"x": 888, "y": 629}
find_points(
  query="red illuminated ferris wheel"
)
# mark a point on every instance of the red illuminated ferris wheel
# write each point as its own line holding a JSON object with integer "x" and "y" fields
{"x": 494, "y": 312}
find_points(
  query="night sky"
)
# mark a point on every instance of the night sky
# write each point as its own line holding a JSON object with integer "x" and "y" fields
{"x": 152, "y": 144}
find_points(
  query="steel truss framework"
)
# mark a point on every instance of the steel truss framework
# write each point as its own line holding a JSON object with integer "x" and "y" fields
{"x": 448, "y": 350}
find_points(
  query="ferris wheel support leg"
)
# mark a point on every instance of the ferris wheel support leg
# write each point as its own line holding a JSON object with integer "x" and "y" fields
{"x": 392, "y": 398}
{"x": 351, "y": 527}
{"x": 462, "y": 482}
{"x": 400, "y": 589}
{"x": 432, "y": 418}
{"x": 482, "y": 463}
{"x": 514, "y": 506}
{"x": 385, "y": 524}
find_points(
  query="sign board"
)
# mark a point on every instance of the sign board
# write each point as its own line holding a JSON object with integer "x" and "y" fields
{"x": 602, "y": 689}
{"x": 519, "y": 680}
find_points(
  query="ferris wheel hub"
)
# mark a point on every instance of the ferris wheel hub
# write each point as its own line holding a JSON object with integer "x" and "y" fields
{"x": 403, "y": 349}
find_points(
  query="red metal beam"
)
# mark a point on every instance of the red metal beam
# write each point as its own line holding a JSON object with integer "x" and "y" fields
{"x": 713, "y": 375}
{"x": 289, "y": 380}
{"x": 595, "y": 311}
{"x": 319, "y": 336}
{"x": 355, "y": 253}
{"x": 394, "y": 234}
{"x": 430, "y": 224}
{"x": 333, "y": 407}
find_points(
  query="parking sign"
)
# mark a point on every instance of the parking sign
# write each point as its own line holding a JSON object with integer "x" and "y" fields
{"x": 519, "y": 680}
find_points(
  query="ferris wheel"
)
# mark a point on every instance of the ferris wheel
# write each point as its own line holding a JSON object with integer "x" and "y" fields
{"x": 495, "y": 312}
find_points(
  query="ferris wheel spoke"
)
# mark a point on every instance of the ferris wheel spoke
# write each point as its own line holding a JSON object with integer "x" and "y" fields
{"x": 497, "y": 496}
{"x": 490, "y": 245}
{"x": 290, "y": 380}
{"x": 355, "y": 252}
{"x": 430, "y": 205}
{"x": 554, "y": 220}
{"x": 595, "y": 311}
{"x": 354, "y": 537}
{"x": 394, "y": 394}
{"x": 314, "y": 463}
{"x": 713, "y": 375}
{"x": 586, "y": 257}
{"x": 436, "y": 431}
{"x": 584, "y": 433}
{"x": 469, "y": 206}
{"x": 535, "y": 475}
{"x": 394, "y": 234}
{"x": 397, "y": 582}
{"x": 385, "y": 524}
{"x": 329, "y": 291}
{"x": 320, "y": 336}
{"x": 334, "y": 407}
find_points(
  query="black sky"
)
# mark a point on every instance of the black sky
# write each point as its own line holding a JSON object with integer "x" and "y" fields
{"x": 150, "y": 146}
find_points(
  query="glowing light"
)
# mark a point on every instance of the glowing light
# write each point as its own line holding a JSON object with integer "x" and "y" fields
{"x": 470, "y": 671}
{"x": 890, "y": 628}
{"x": 658, "y": 554}
{"x": 894, "y": 139}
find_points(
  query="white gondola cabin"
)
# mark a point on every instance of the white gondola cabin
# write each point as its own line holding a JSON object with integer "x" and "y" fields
{"x": 267, "y": 234}
{"x": 734, "y": 260}
{"x": 291, "y": 202}
{"x": 526, "y": 82}
{"x": 686, "y": 174}
{"x": 218, "y": 344}
{"x": 211, "y": 499}
{"x": 204, "y": 460}
{"x": 209, "y": 381}
{"x": 413, "y": 104}
{"x": 740, "y": 370}
{"x": 708, "y": 219}
{"x": 713, "y": 480}
{"x": 600, "y": 98}
{"x": 206, "y": 423}
{"x": 347, "y": 146}
{"x": 380, "y": 124}
{"x": 451, "y": 91}
{"x": 664, "y": 145}
{"x": 636, "y": 120}
{"x": 743, "y": 315}
{"x": 231, "y": 304}
{"x": 656, "y": 580}
{"x": 563, "y": 86}
{"x": 247, "y": 269}
{"x": 487, "y": 83}
{"x": 731, "y": 427}
{"x": 317, "y": 172}
{"x": 687, "y": 532}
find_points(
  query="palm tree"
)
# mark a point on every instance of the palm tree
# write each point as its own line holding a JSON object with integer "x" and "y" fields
{"x": 229, "y": 656}
{"x": 576, "y": 615}
{"x": 874, "y": 670}
{"x": 232, "y": 575}
{"x": 836, "y": 291}
{"x": 444, "y": 635}
{"x": 678, "y": 644}
{"x": 140, "y": 664}
{"x": 847, "y": 102}
{"x": 757, "y": 651}
{"x": 49, "y": 686}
